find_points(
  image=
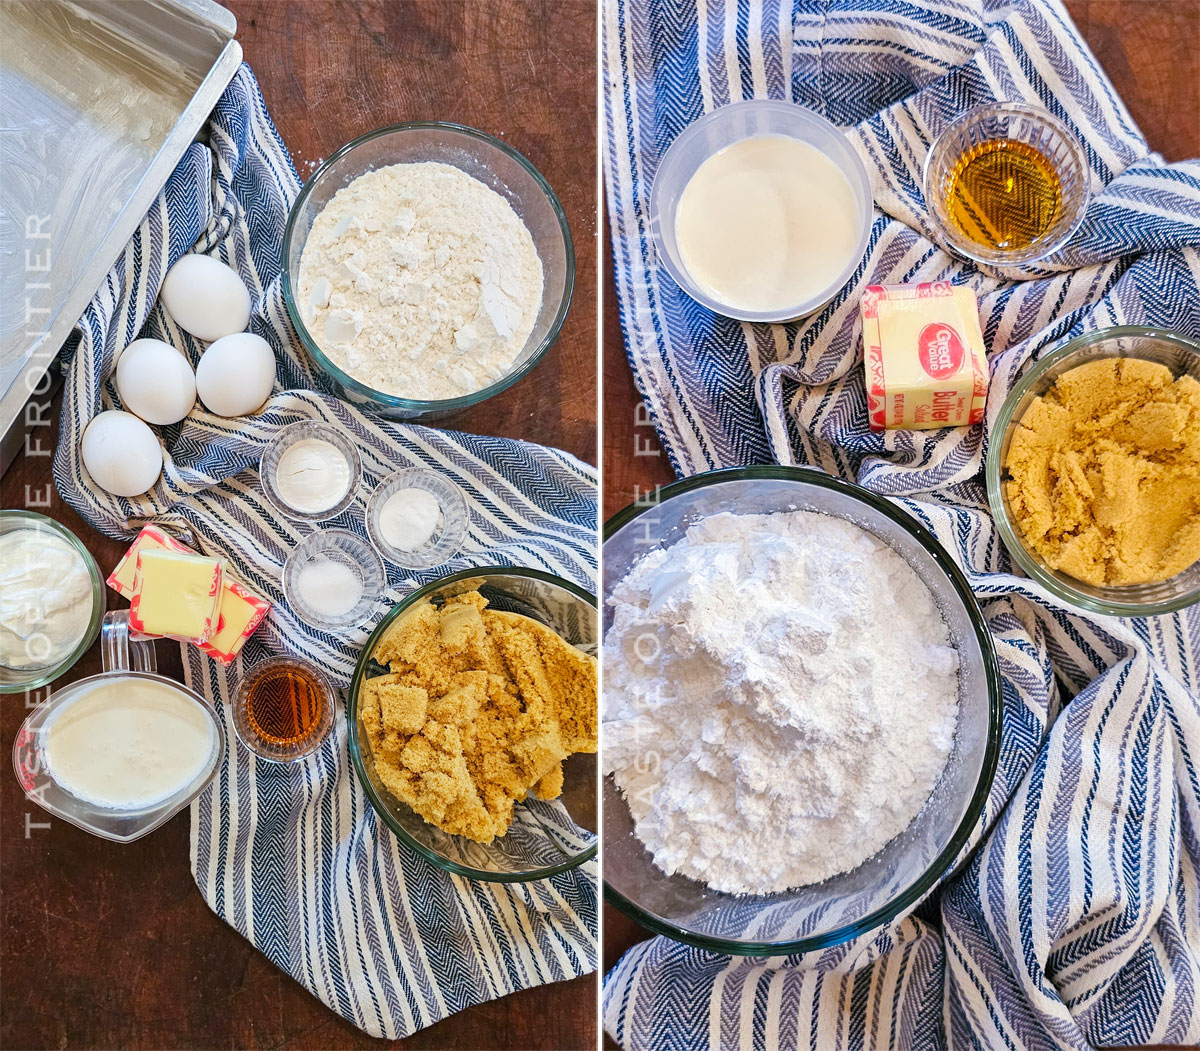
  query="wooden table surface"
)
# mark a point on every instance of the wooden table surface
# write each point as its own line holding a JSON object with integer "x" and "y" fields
{"x": 1151, "y": 51}
{"x": 109, "y": 946}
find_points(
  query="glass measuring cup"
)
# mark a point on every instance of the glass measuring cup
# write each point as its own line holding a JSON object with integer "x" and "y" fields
{"x": 122, "y": 658}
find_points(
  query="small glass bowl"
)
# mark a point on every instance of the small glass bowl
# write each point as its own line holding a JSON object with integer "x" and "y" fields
{"x": 451, "y": 530}
{"x": 723, "y": 127}
{"x": 1182, "y": 356}
{"x": 499, "y": 167}
{"x": 878, "y": 890}
{"x": 336, "y": 545}
{"x": 255, "y": 741}
{"x": 282, "y": 442}
{"x": 21, "y": 680}
{"x": 1032, "y": 126}
{"x": 547, "y": 836}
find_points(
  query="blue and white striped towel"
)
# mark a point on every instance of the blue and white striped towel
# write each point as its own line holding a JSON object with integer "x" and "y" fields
{"x": 1076, "y": 919}
{"x": 293, "y": 856}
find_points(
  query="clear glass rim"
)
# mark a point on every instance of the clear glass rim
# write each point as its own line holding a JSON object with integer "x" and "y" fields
{"x": 962, "y": 833}
{"x": 419, "y": 406}
{"x": 998, "y": 257}
{"x": 44, "y": 676}
{"x": 1059, "y": 586}
{"x": 680, "y": 275}
{"x": 356, "y": 758}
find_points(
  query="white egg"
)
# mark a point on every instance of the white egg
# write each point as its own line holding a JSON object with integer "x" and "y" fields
{"x": 121, "y": 454}
{"x": 155, "y": 381}
{"x": 236, "y": 374}
{"x": 206, "y": 298}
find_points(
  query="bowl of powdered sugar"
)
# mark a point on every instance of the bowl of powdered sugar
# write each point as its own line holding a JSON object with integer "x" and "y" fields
{"x": 426, "y": 267}
{"x": 802, "y": 711}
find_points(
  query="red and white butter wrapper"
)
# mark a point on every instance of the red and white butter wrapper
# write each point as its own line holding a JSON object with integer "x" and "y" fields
{"x": 923, "y": 352}
{"x": 151, "y": 538}
{"x": 177, "y": 595}
{"x": 242, "y": 611}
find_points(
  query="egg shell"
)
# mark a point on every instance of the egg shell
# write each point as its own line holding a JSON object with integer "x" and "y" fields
{"x": 206, "y": 298}
{"x": 155, "y": 382}
{"x": 236, "y": 374}
{"x": 121, "y": 453}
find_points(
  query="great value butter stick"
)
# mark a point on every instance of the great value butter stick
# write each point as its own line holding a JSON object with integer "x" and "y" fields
{"x": 177, "y": 595}
{"x": 924, "y": 356}
{"x": 242, "y": 611}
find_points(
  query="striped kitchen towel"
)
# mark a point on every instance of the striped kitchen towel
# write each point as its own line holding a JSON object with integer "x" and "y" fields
{"x": 293, "y": 856}
{"x": 1074, "y": 918}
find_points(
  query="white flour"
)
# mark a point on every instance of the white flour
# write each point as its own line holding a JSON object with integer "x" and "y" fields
{"x": 420, "y": 281}
{"x": 780, "y": 699}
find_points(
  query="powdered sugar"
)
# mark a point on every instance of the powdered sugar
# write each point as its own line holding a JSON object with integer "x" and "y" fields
{"x": 780, "y": 699}
{"x": 420, "y": 281}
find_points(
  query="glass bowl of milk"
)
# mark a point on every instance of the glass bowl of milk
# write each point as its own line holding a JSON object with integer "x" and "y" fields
{"x": 119, "y": 753}
{"x": 761, "y": 211}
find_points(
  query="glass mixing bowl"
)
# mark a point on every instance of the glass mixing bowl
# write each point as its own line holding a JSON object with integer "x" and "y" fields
{"x": 499, "y": 167}
{"x": 852, "y": 903}
{"x": 547, "y": 836}
{"x": 19, "y": 680}
{"x": 1182, "y": 356}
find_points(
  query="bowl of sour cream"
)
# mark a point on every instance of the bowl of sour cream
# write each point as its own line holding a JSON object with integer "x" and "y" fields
{"x": 761, "y": 211}
{"x": 120, "y": 753}
{"x": 51, "y": 600}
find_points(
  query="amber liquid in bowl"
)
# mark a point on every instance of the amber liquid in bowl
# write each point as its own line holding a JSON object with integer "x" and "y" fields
{"x": 1004, "y": 194}
{"x": 283, "y": 709}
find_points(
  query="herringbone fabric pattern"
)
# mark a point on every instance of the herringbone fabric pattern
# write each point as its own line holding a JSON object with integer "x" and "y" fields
{"x": 292, "y": 856}
{"x": 1074, "y": 918}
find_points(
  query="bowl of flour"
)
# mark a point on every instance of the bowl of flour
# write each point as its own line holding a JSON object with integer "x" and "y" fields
{"x": 426, "y": 267}
{"x": 801, "y": 711}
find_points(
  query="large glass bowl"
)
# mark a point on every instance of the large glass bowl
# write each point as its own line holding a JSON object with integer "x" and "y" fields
{"x": 499, "y": 167}
{"x": 1182, "y": 357}
{"x": 19, "y": 680}
{"x": 547, "y": 836}
{"x": 852, "y": 903}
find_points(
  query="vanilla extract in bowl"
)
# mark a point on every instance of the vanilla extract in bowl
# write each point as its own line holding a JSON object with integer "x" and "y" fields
{"x": 1004, "y": 194}
{"x": 283, "y": 709}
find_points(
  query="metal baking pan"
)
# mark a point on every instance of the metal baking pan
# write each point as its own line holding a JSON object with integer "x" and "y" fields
{"x": 99, "y": 99}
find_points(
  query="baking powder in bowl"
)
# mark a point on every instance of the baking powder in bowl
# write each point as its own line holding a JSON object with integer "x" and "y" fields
{"x": 312, "y": 476}
{"x": 780, "y": 697}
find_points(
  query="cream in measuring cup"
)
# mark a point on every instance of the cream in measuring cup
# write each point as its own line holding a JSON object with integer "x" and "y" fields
{"x": 766, "y": 223}
{"x": 121, "y": 752}
{"x": 128, "y": 742}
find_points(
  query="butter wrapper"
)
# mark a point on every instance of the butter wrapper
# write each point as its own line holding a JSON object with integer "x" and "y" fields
{"x": 241, "y": 612}
{"x": 176, "y": 595}
{"x": 923, "y": 353}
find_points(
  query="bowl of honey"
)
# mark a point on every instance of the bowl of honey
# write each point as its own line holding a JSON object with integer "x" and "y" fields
{"x": 1006, "y": 184}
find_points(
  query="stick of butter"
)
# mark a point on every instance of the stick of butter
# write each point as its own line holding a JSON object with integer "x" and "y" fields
{"x": 176, "y": 594}
{"x": 924, "y": 357}
{"x": 241, "y": 613}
